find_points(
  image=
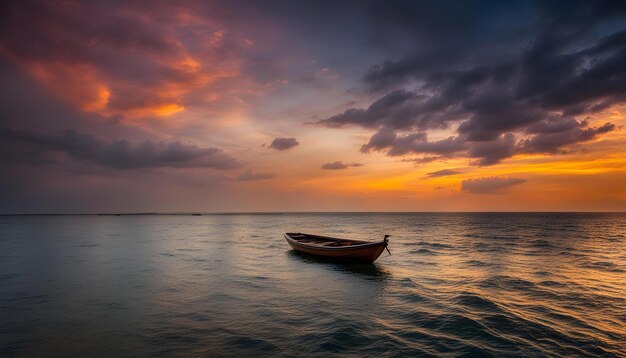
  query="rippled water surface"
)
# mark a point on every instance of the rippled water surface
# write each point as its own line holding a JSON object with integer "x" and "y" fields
{"x": 229, "y": 285}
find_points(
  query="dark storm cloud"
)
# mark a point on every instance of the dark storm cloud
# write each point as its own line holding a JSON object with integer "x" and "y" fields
{"x": 559, "y": 78}
{"x": 552, "y": 142}
{"x": 283, "y": 143}
{"x": 22, "y": 146}
{"x": 503, "y": 97}
{"x": 418, "y": 142}
{"x": 392, "y": 108}
{"x": 489, "y": 185}
{"x": 460, "y": 32}
{"x": 340, "y": 165}
{"x": 443, "y": 173}
{"x": 384, "y": 138}
{"x": 249, "y": 175}
{"x": 494, "y": 151}
{"x": 439, "y": 34}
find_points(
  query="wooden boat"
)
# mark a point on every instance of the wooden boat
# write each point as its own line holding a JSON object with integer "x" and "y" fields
{"x": 337, "y": 249}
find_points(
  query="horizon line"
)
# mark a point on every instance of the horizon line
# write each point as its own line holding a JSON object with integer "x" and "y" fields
{"x": 208, "y": 213}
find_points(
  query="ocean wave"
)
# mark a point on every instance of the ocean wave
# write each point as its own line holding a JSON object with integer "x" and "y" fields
{"x": 423, "y": 252}
{"x": 476, "y": 302}
{"x": 603, "y": 266}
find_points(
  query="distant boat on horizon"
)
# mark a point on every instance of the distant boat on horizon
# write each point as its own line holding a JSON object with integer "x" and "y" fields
{"x": 337, "y": 249}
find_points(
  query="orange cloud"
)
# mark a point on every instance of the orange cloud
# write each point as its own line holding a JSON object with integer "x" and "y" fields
{"x": 151, "y": 67}
{"x": 79, "y": 84}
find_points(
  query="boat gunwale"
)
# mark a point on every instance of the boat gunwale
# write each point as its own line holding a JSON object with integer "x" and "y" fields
{"x": 338, "y": 248}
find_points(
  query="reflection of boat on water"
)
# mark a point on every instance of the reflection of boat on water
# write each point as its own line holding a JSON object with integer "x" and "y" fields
{"x": 369, "y": 270}
{"x": 337, "y": 249}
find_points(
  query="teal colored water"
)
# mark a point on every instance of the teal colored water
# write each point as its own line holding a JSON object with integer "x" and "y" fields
{"x": 229, "y": 285}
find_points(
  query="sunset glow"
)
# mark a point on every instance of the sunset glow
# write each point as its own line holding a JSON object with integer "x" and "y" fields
{"x": 217, "y": 106}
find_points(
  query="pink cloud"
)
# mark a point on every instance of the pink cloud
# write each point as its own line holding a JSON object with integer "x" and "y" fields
{"x": 135, "y": 60}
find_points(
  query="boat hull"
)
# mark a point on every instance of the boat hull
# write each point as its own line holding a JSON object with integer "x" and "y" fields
{"x": 361, "y": 253}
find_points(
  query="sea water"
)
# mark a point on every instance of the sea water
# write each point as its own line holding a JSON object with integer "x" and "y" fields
{"x": 499, "y": 284}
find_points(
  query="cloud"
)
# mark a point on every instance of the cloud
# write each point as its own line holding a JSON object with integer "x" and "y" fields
{"x": 284, "y": 143}
{"x": 498, "y": 102}
{"x": 489, "y": 185}
{"x": 419, "y": 143}
{"x": 492, "y": 152}
{"x": 461, "y": 37}
{"x": 423, "y": 160}
{"x": 119, "y": 153}
{"x": 131, "y": 60}
{"x": 444, "y": 172}
{"x": 393, "y": 109}
{"x": 387, "y": 139}
{"x": 384, "y": 138}
{"x": 249, "y": 175}
{"x": 550, "y": 138}
{"x": 339, "y": 165}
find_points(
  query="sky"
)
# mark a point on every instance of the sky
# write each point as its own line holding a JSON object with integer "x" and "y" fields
{"x": 228, "y": 106}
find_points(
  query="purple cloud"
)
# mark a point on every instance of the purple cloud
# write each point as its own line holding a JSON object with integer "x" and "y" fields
{"x": 249, "y": 175}
{"x": 284, "y": 143}
{"x": 340, "y": 165}
{"x": 444, "y": 172}
{"x": 503, "y": 107}
{"x": 117, "y": 153}
{"x": 489, "y": 185}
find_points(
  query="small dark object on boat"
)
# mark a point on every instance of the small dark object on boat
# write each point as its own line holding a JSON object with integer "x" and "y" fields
{"x": 337, "y": 249}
